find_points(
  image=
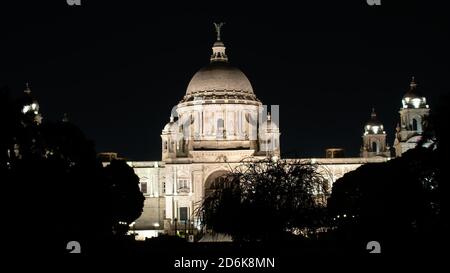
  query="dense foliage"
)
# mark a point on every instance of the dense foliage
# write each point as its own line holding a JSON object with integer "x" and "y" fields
{"x": 264, "y": 199}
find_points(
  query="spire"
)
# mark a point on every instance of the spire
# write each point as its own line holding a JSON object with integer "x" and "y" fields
{"x": 374, "y": 114}
{"x": 218, "y": 48}
{"x": 65, "y": 118}
{"x": 373, "y": 119}
{"x": 413, "y": 83}
{"x": 27, "y": 89}
{"x": 171, "y": 118}
{"x": 269, "y": 117}
{"x": 412, "y": 87}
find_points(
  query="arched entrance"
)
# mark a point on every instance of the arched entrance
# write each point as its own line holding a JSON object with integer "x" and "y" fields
{"x": 375, "y": 147}
{"x": 214, "y": 181}
{"x": 414, "y": 124}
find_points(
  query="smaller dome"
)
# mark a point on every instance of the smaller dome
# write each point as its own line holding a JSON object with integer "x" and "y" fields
{"x": 413, "y": 98}
{"x": 171, "y": 126}
{"x": 412, "y": 92}
{"x": 269, "y": 126}
{"x": 373, "y": 126}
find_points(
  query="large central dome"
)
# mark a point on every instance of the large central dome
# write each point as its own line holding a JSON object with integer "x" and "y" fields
{"x": 219, "y": 118}
{"x": 219, "y": 77}
{"x": 219, "y": 80}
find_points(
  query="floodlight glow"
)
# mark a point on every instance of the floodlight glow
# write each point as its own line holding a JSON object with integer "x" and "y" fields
{"x": 25, "y": 109}
{"x": 416, "y": 102}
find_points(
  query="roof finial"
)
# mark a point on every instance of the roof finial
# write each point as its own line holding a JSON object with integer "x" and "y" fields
{"x": 374, "y": 114}
{"x": 27, "y": 88}
{"x": 269, "y": 117}
{"x": 65, "y": 118}
{"x": 171, "y": 118}
{"x": 413, "y": 83}
{"x": 218, "y": 47}
{"x": 218, "y": 27}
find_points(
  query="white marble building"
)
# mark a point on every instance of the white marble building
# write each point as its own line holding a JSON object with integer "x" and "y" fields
{"x": 412, "y": 117}
{"x": 219, "y": 122}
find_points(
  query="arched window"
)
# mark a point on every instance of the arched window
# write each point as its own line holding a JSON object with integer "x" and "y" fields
{"x": 181, "y": 146}
{"x": 144, "y": 187}
{"x": 215, "y": 181}
{"x": 414, "y": 124}
{"x": 183, "y": 185}
{"x": 220, "y": 124}
{"x": 220, "y": 129}
{"x": 374, "y": 147}
{"x": 246, "y": 125}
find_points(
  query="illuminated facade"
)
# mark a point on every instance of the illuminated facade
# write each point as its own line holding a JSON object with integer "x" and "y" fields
{"x": 413, "y": 116}
{"x": 219, "y": 122}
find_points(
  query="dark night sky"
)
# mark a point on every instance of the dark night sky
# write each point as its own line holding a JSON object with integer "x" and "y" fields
{"x": 117, "y": 69}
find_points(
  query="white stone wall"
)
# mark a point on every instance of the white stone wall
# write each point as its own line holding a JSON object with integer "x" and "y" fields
{"x": 166, "y": 207}
{"x": 407, "y": 138}
{"x": 152, "y": 173}
{"x": 218, "y": 121}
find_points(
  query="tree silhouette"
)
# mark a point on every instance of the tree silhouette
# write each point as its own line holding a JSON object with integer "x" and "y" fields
{"x": 438, "y": 131}
{"x": 127, "y": 201}
{"x": 58, "y": 191}
{"x": 403, "y": 202}
{"x": 265, "y": 200}
{"x": 394, "y": 202}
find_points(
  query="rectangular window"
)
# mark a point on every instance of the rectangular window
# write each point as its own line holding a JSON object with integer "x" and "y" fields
{"x": 144, "y": 187}
{"x": 183, "y": 213}
{"x": 183, "y": 185}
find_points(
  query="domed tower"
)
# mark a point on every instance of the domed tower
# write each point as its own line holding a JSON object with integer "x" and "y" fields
{"x": 269, "y": 138}
{"x": 30, "y": 107}
{"x": 412, "y": 117}
{"x": 173, "y": 143}
{"x": 219, "y": 110}
{"x": 374, "y": 138}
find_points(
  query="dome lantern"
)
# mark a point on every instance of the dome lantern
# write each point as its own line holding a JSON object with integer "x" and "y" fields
{"x": 218, "y": 48}
{"x": 219, "y": 80}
